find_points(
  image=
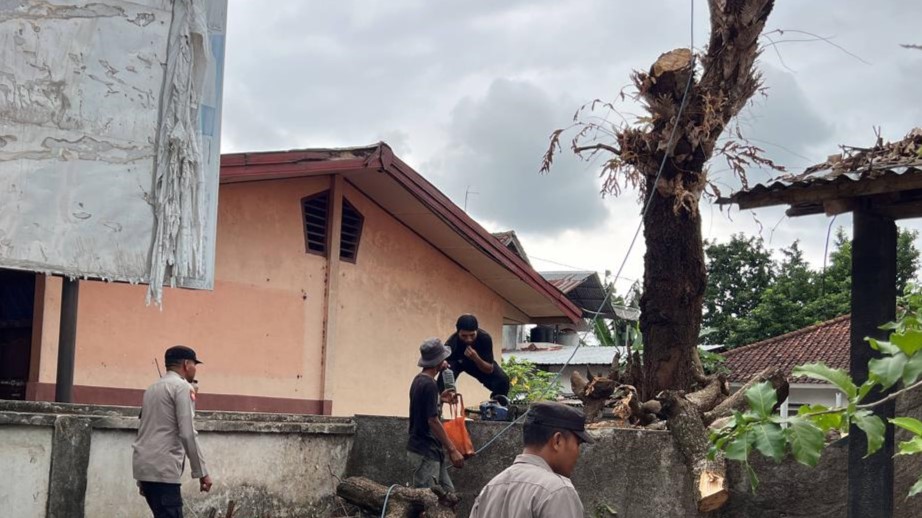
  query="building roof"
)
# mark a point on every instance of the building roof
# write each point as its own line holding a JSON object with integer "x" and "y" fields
{"x": 827, "y": 342}
{"x": 888, "y": 174}
{"x": 511, "y": 241}
{"x": 550, "y": 354}
{"x": 381, "y": 176}
{"x": 585, "y": 289}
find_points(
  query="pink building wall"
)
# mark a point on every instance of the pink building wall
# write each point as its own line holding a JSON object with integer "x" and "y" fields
{"x": 260, "y": 332}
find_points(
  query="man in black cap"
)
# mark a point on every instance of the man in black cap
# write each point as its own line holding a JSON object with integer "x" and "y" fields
{"x": 167, "y": 436}
{"x": 428, "y": 441}
{"x": 472, "y": 352}
{"x": 537, "y": 485}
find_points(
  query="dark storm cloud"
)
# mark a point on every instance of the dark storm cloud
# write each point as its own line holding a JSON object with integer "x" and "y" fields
{"x": 467, "y": 92}
{"x": 494, "y": 146}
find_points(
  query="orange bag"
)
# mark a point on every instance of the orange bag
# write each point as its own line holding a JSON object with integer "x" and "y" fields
{"x": 456, "y": 429}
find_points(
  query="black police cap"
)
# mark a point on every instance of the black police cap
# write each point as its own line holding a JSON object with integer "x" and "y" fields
{"x": 180, "y": 352}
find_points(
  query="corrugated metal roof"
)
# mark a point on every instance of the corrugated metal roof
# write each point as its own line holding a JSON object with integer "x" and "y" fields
{"x": 586, "y": 355}
{"x": 585, "y": 289}
{"x": 854, "y": 165}
{"x": 568, "y": 281}
{"x": 826, "y": 177}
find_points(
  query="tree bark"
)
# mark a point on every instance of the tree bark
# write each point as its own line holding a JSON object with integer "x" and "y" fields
{"x": 594, "y": 394}
{"x": 708, "y": 476}
{"x": 403, "y": 502}
{"x": 708, "y": 397}
{"x": 737, "y": 401}
{"x": 670, "y": 308}
{"x": 674, "y": 267}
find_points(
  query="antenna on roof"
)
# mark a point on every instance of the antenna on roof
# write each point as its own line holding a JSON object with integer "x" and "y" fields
{"x": 467, "y": 193}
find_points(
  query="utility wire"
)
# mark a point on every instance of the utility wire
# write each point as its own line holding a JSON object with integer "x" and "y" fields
{"x": 627, "y": 255}
{"x": 636, "y": 233}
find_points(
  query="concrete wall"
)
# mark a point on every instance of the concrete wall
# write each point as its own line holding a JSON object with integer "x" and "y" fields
{"x": 26, "y": 459}
{"x": 72, "y": 461}
{"x": 639, "y": 474}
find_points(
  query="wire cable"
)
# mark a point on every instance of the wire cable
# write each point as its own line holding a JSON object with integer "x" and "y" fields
{"x": 627, "y": 255}
{"x": 630, "y": 248}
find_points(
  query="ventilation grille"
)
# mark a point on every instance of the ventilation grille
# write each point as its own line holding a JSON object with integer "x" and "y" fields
{"x": 316, "y": 209}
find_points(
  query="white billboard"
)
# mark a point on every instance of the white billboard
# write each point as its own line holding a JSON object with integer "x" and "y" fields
{"x": 110, "y": 116}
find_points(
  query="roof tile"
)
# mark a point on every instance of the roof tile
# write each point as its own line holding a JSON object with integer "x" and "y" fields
{"x": 827, "y": 342}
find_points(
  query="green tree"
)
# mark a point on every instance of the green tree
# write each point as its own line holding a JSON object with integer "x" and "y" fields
{"x": 797, "y": 295}
{"x": 907, "y": 257}
{"x": 739, "y": 272}
{"x": 784, "y": 306}
{"x": 528, "y": 383}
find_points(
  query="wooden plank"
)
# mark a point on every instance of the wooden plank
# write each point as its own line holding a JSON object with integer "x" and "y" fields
{"x": 836, "y": 207}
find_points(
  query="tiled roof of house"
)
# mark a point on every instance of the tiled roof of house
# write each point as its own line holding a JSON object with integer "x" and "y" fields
{"x": 827, "y": 342}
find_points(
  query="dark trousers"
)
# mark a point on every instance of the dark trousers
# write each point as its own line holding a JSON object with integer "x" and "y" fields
{"x": 164, "y": 500}
{"x": 497, "y": 382}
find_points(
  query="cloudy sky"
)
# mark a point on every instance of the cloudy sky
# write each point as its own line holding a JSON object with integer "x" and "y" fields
{"x": 468, "y": 92}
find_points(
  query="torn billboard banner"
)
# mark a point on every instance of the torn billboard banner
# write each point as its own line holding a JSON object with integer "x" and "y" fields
{"x": 110, "y": 117}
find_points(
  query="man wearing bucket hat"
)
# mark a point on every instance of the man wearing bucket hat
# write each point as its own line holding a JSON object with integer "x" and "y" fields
{"x": 537, "y": 485}
{"x": 428, "y": 441}
{"x": 167, "y": 436}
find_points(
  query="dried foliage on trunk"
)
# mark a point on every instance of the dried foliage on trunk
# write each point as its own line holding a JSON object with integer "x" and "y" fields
{"x": 714, "y": 93}
{"x": 689, "y": 106}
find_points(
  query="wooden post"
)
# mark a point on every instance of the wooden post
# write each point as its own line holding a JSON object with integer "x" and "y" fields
{"x": 331, "y": 294}
{"x": 870, "y": 480}
{"x": 67, "y": 342}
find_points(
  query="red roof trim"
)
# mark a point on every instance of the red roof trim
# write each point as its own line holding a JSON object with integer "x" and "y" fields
{"x": 273, "y": 165}
{"x": 385, "y": 159}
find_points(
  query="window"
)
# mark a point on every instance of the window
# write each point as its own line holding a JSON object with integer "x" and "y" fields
{"x": 316, "y": 210}
{"x": 351, "y": 232}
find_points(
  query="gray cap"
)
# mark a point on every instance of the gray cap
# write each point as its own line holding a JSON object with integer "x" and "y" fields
{"x": 432, "y": 353}
{"x": 558, "y": 415}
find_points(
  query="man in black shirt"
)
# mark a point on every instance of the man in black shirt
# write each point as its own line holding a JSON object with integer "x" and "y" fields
{"x": 428, "y": 441}
{"x": 472, "y": 352}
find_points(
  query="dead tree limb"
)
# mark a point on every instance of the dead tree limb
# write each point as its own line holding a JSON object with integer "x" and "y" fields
{"x": 737, "y": 401}
{"x": 708, "y": 397}
{"x": 594, "y": 394}
{"x": 403, "y": 502}
{"x": 708, "y": 476}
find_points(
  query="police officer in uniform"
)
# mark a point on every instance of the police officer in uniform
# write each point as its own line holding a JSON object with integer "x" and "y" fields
{"x": 167, "y": 436}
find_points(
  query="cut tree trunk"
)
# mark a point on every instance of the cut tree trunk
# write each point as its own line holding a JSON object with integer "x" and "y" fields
{"x": 715, "y": 391}
{"x": 670, "y": 308}
{"x": 403, "y": 502}
{"x": 594, "y": 394}
{"x": 708, "y": 476}
{"x": 737, "y": 401}
{"x": 674, "y": 268}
